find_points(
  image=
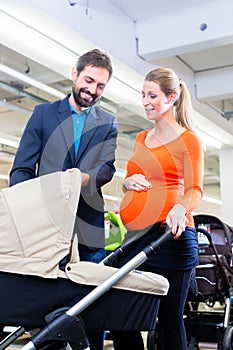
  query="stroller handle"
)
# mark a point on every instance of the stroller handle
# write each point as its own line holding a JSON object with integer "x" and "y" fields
{"x": 206, "y": 233}
{"x": 153, "y": 246}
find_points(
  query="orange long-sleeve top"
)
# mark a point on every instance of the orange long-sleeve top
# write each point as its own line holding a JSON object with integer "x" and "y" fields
{"x": 175, "y": 171}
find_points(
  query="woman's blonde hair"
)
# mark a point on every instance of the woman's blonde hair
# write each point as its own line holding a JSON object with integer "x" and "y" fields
{"x": 169, "y": 83}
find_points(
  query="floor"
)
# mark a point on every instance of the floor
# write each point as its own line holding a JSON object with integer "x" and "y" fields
{"x": 107, "y": 346}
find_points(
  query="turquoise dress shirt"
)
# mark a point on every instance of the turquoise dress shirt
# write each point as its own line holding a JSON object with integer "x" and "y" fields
{"x": 78, "y": 125}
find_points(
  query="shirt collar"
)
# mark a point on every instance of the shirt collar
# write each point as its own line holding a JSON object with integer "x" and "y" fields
{"x": 86, "y": 111}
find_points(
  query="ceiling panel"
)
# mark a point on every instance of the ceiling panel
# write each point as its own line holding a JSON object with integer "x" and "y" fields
{"x": 221, "y": 56}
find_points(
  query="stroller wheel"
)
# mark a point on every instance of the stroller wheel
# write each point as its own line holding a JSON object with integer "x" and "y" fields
{"x": 227, "y": 342}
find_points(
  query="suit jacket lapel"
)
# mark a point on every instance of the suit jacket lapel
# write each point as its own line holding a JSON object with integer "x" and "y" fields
{"x": 65, "y": 119}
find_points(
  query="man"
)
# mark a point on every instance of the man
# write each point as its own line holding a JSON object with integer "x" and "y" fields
{"x": 73, "y": 133}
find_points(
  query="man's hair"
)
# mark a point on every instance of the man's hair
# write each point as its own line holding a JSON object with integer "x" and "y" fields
{"x": 95, "y": 58}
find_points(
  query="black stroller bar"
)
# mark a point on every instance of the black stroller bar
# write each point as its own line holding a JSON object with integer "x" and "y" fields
{"x": 148, "y": 250}
{"x": 56, "y": 329}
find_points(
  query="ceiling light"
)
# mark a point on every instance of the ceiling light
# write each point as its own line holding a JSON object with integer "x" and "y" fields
{"x": 13, "y": 107}
{"x": 55, "y": 45}
{"x": 111, "y": 198}
{"x": 107, "y": 107}
{"x": 212, "y": 200}
{"x": 119, "y": 173}
{"x": 9, "y": 140}
{"x": 4, "y": 177}
{"x": 31, "y": 82}
{"x": 209, "y": 140}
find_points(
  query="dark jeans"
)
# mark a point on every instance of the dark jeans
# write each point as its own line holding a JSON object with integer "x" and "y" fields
{"x": 172, "y": 333}
{"x": 96, "y": 338}
{"x": 90, "y": 254}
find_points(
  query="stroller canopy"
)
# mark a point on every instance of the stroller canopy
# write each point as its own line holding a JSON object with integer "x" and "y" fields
{"x": 36, "y": 223}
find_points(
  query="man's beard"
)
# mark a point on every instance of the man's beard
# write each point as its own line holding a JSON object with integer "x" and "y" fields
{"x": 82, "y": 102}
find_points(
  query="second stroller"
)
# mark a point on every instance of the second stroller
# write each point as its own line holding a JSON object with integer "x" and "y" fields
{"x": 212, "y": 284}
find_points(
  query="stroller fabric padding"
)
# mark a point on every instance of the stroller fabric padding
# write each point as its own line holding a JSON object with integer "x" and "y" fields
{"x": 139, "y": 281}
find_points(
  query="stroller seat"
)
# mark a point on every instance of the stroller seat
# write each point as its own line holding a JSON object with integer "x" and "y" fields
{"x": 36, "y": 231}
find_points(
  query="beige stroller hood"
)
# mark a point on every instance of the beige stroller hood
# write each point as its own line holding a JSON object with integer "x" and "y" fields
{"x": 36, "y": 223}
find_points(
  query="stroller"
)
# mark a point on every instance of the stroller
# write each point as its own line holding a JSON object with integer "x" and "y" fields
{"x": 45, "y": 286}
{"x": 212, "y": 284}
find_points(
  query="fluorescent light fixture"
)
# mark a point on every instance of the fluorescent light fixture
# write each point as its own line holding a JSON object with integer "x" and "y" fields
{"x": 14, "y": 107}
{"x": 212, "y": 200}
{"x": 110, "y": 198}
{"x": 119, "y": 173}
{"x": 106, "y": 106}
{"x": 9, "y": 140}
{"x": 9, "y": 143}
{"x": 4, "y": 177}
{"x": 208, "y": 139}
{"x": 31, "y": 82}
{"x": 55, "y": 45}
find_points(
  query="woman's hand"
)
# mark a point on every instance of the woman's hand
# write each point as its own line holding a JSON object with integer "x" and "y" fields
{"x": 136, "y": 182}
{"x": 176, "y": 219}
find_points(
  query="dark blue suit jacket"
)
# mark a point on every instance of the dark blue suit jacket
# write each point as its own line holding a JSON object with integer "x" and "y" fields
{"x": 47, "y": 145}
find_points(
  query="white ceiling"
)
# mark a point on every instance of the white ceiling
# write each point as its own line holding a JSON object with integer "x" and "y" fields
{"x": 138, "y": 35}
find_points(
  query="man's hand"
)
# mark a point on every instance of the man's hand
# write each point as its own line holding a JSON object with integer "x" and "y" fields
{"x": 85, "y": 179}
